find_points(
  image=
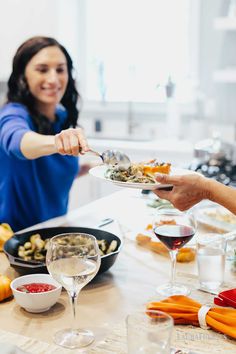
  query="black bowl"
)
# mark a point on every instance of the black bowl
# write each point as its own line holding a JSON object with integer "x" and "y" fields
{"x": 28, "y": 267}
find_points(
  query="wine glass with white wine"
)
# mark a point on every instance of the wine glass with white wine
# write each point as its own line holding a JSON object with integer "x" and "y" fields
{"x": 73, "y": 260}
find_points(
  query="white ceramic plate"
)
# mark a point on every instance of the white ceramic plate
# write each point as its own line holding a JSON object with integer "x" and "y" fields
{"x": 99, "y": 171}
{"x": 215, "y": 217}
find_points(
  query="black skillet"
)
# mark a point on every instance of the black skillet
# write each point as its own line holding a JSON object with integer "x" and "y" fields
{"x": 28, "y": 267}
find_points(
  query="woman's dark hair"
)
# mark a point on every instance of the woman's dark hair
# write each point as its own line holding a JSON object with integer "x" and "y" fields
{"x": 18, "y": 90}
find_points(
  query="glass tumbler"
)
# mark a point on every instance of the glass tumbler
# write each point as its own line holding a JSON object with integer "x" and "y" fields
{"x": 149, "y": 332}
{"x": 211, "y": 252}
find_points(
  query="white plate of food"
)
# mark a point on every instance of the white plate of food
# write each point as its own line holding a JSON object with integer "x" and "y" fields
{"x": 215, "y": 217}
{"x": 103, "y": 173}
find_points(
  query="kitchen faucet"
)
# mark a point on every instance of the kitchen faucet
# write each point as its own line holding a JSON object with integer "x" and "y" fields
{"x": 132, "y": 124}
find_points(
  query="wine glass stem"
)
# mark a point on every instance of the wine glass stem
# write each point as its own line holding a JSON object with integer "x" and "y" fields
{"x": 173, "y": 254}
{"x": 73, "y": 301}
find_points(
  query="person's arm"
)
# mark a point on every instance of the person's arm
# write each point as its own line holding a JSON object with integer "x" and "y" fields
{"x": 224, "y": 195}
{"x": 34, "y": 145}
{"x": 67, "y": 142}
{"x": 189, "y": 190}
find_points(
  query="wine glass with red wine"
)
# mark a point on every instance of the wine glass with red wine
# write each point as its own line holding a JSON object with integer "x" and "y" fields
{"x": 173, "y": 228}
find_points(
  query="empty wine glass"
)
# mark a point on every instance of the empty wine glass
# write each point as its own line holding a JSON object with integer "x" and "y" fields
{"x": 173, "y": 228}
{"x": 73, "y": 259}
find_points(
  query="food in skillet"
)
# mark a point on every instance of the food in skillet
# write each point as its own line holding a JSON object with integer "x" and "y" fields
{"x": 139, "y": 172}
{"x": 35, "y": 249}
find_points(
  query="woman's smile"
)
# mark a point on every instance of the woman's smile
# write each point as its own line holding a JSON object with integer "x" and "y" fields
{"x": 51, "y": 91}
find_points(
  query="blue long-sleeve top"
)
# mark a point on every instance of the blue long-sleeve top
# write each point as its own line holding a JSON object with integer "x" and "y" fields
{"x": 31, "y": 191}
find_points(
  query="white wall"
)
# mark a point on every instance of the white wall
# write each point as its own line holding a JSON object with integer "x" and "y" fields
{"x": 22, "y": 19}
{"x": 217, "y": 51}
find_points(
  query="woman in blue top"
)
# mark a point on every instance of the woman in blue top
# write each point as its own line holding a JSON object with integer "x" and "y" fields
{"x": 39, "y": 137}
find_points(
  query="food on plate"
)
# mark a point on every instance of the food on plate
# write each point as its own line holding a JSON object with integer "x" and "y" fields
{"x": 5, "y": 233}
{"x": 184, "y": 254}
{"x": 216, "y": 218}
{"x": 5, "y": 289}
{"x": 149, "y": 227}
{"x": 166, "y": 222}
{"x": 158, "y": 247}
{"x": 221, "y": 215}
{"x": 35, "y": 249}
{"x": 139, "y": 172}
{"x": 153, "y": 166}
{"x": 143, "y": 239}
{"x": 162, "y": 222}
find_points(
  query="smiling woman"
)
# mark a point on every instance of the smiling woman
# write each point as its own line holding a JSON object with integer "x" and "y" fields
{"x": 38, "y": 125}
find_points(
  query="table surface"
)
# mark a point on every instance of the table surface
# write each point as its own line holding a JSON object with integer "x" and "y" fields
{"x": 127, "y": 286}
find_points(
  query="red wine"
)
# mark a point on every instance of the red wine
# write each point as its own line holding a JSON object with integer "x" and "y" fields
{"x": 174, "y": 236}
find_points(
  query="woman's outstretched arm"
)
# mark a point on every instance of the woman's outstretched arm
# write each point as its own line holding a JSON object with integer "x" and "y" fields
{"x": 189, "y": 190}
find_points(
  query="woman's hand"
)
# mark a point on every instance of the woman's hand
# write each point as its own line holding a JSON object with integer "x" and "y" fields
{"x": 71, "y": 142}
{"x": 187, "y": 191}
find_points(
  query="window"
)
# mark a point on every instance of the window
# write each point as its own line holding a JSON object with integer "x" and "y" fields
{"x": 133, "y": 46}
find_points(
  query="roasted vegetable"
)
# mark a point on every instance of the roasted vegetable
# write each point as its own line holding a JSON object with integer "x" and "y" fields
{"x": 143, "y": 172}
{"x": 5, "y": 290}
{"x": 36, "y": 248}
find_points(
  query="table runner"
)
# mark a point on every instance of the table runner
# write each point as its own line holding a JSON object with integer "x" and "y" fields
{"x": 184, "y": 337}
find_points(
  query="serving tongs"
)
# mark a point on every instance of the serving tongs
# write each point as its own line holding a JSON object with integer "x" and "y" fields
{"x": 114, "y": 158}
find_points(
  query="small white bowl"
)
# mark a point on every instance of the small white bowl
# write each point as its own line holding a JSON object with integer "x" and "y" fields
{"x": 36, "y": 302}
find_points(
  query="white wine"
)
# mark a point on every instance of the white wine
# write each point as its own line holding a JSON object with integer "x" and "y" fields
{"x": 73, "y": 273}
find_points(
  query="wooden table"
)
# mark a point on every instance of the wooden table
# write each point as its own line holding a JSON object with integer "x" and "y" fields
{"x": 107, "y": 300}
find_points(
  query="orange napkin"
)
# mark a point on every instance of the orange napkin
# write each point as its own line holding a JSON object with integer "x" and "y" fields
{"x": 185, "y": 311}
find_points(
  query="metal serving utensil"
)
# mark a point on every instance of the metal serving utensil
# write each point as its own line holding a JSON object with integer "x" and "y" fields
{"x": 114, "y": 158}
